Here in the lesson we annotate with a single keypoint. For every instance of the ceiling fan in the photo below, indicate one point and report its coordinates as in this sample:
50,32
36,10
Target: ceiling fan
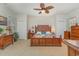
44,8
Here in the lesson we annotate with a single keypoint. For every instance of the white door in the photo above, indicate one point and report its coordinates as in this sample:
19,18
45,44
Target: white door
60,28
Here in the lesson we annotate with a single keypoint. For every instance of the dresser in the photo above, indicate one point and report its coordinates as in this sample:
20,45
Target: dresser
73,47
66,34
74,34
6,40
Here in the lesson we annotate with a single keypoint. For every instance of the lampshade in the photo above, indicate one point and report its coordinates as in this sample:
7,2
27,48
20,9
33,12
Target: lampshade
1,18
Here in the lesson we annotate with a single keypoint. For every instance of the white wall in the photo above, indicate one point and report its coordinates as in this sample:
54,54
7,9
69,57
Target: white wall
22,26
73,18
41,20
60,25
6,12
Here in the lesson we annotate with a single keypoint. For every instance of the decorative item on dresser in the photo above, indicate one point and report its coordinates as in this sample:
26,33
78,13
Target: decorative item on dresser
74,34
66,34
6,40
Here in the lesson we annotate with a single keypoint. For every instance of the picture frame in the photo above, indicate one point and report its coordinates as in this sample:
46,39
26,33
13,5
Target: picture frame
3,20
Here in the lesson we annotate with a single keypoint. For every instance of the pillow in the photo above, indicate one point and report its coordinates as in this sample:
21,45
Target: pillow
43,32
48,32
38,33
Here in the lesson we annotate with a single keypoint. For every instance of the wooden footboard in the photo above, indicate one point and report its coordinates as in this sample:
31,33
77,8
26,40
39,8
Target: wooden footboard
46,41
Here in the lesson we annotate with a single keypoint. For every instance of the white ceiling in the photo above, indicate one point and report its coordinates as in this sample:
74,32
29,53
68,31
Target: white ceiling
27,8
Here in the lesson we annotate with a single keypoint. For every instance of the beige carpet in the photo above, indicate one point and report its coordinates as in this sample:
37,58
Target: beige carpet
22,48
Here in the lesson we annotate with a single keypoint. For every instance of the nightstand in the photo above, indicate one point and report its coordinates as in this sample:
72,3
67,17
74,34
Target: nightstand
30,34
66,34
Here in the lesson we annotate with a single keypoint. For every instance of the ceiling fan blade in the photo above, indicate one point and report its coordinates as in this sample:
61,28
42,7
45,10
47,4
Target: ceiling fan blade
46,11
37,9
42,5
49,7
40,12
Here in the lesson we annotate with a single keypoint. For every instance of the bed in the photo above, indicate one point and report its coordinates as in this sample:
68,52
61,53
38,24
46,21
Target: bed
44,37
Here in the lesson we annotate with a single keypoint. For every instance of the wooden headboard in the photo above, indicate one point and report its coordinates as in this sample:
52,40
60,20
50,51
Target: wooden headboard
42,28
